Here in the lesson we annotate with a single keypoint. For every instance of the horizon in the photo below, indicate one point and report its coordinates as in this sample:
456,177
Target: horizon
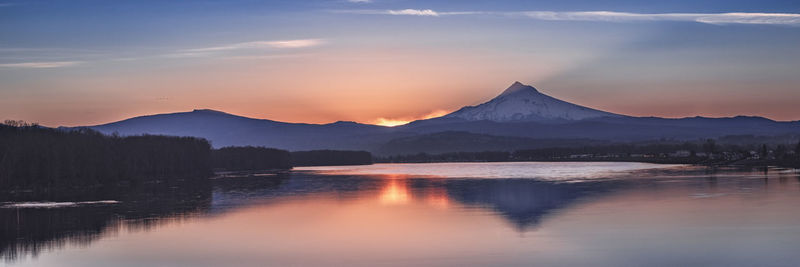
387,122
391,62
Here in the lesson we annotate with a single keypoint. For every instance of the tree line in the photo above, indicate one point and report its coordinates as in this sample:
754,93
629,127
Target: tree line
44,158
41,158
251,158
707,151
330,158
485,156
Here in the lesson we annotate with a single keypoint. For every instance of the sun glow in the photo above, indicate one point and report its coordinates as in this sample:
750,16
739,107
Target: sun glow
391,122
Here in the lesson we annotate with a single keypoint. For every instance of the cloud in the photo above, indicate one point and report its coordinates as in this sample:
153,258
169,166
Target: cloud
612,16
40,65
359,1
254,49
406,12
259,45
709,18
413,12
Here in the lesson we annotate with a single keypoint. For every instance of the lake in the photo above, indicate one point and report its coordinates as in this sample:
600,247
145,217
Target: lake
443,214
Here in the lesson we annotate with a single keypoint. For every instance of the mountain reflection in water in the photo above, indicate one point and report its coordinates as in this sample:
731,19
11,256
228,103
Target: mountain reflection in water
524,204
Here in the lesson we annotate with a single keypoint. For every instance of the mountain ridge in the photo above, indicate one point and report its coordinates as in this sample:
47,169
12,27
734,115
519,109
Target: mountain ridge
225,129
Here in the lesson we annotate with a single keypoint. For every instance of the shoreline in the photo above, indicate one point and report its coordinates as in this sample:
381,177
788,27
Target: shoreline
738,163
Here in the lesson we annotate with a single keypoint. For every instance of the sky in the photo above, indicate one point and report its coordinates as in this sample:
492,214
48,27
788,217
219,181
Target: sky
70,63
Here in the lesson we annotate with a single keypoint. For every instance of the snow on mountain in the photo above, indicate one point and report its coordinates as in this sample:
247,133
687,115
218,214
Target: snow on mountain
524,103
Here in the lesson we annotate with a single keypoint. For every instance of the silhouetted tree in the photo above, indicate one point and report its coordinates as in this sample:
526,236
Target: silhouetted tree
797,149
710,146
250,158
330,158
780,152
34,157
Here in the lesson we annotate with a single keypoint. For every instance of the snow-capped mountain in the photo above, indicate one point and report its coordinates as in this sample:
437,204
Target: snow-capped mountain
524,103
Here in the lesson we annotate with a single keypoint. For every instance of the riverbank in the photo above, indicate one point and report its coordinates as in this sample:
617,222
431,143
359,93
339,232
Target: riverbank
686,160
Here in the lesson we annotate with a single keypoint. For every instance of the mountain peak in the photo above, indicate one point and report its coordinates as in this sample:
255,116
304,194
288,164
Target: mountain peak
521,102
518,87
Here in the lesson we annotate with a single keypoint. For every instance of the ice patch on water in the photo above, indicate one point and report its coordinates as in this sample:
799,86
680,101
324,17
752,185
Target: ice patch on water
50,205
707,195
549,171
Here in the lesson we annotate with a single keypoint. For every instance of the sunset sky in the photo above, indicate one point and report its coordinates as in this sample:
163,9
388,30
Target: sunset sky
91,62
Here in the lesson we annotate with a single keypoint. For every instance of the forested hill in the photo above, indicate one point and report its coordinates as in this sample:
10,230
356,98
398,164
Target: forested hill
42,158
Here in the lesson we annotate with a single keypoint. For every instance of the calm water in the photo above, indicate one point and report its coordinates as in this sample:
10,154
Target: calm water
453,214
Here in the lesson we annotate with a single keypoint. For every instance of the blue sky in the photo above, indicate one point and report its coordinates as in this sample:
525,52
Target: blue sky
87,62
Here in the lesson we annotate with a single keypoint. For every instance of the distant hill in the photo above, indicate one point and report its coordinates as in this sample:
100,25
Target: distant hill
520,117
614,128
224,129
452,141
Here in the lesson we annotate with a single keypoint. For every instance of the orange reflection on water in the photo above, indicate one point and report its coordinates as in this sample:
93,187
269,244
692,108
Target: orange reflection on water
438,198
395,192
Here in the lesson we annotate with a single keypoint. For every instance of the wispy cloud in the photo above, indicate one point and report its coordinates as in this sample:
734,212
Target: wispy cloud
40,65
612,16
710,18
270,56
413,12
43,58
359,1
260,45
407,12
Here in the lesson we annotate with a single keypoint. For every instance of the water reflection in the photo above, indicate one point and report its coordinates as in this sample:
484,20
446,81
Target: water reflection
31,231
283,218
395,192
523,202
